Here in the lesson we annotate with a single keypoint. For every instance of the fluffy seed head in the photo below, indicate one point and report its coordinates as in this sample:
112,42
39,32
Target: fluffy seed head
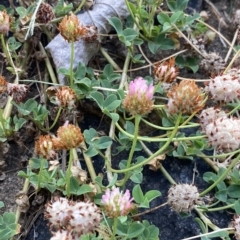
236,224
17,91
139,97
70,28
5,22
91,34
116,203
224,134
225,87
44,147
183,197
68,136
45,13
166,71
77,217
65,97
185,97
209,115
212,63
3,84
62,235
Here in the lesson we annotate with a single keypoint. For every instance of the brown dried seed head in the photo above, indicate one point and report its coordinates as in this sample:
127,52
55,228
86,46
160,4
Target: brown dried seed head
3,84
45,13
91,34
65,97
5,22
185,97
68,136
166,71
44,146
70,28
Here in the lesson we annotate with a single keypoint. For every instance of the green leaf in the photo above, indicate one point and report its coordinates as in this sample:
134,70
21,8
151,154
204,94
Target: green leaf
91,151
135,229
64,71
233,191
111,102
150,195
21,11
114,117
153,47
1,204
163,18
74,185
81,71
116,23
13,44
89,134
164,42
137,178
18,122
138,194
98,97
143,13
221,195
237,207
177,16
84,189
103,142
129,34
121,229
177,5
166,26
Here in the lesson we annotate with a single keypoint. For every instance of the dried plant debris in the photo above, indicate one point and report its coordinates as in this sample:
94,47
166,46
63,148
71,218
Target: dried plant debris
85,50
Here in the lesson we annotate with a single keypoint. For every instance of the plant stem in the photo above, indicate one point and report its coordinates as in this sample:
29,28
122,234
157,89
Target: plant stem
113,126
4,47
220,208
169,128
160,151
161,168
114,228
109,59
90,167
206,220
48,64
80,6
69,172
155,139
71,64
221,178
56,118
134,143
40,174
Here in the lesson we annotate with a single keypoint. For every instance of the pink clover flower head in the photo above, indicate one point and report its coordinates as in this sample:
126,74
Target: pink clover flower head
139,97
117,203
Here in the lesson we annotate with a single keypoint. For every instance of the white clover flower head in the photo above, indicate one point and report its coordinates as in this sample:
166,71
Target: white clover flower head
210,114
117,203
225,87
183,197
77,218
139,97
224,134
